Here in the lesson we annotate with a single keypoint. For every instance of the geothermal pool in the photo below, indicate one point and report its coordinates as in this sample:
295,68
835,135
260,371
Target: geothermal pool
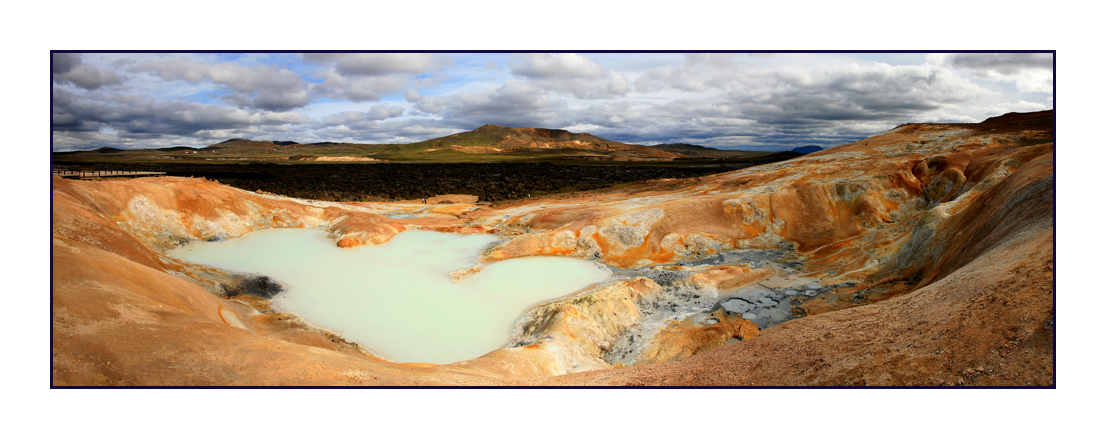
397,299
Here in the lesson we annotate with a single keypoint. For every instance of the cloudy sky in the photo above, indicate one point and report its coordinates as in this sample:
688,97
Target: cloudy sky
753,101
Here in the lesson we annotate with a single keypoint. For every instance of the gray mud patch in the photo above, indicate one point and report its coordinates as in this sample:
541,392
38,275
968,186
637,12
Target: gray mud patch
662,276
753,257
668,275
675,303
258,286
679,301
768,306
762,305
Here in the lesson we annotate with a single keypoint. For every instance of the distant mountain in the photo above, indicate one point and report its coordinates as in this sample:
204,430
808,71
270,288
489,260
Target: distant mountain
507,137
242,145
807,149
481,144
492,139
683,148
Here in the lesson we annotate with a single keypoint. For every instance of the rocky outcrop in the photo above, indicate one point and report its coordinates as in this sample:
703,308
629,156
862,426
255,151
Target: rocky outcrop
922,256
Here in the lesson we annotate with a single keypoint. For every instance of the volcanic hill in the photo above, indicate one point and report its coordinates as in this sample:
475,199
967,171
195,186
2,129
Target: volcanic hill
493,139
487,143
922,256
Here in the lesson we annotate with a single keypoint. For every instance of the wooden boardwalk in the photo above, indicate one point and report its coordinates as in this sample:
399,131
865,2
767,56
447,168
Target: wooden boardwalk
95,175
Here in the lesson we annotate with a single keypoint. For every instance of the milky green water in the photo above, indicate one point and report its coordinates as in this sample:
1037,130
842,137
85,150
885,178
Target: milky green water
397,299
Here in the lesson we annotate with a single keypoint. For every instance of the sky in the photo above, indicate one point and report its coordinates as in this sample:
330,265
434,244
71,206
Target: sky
748,101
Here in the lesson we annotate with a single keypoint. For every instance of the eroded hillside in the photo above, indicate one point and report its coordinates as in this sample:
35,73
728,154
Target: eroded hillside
922,256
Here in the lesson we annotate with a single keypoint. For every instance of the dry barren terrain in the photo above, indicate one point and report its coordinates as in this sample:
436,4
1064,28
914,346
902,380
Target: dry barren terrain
919,257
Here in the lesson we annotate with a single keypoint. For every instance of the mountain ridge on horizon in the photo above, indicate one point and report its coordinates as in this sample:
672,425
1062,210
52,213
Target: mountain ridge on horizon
511,138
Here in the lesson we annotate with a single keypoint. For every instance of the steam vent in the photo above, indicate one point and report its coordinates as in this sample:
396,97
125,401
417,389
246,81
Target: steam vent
922,256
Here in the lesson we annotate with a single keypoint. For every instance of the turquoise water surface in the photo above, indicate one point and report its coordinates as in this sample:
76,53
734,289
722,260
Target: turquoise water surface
397,299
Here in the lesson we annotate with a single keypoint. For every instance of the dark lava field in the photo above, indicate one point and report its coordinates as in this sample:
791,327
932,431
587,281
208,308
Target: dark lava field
406,181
